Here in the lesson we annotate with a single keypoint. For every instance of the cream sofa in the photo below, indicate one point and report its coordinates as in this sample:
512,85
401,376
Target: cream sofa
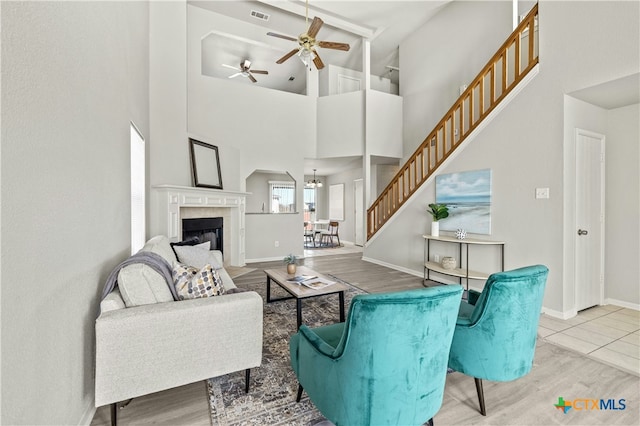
162,343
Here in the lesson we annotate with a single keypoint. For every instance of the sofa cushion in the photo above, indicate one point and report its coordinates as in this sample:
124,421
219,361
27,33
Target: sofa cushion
160,245
140,285
197,256
193,283
191,241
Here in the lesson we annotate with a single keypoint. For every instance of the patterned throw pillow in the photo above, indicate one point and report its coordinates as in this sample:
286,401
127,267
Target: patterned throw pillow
192,283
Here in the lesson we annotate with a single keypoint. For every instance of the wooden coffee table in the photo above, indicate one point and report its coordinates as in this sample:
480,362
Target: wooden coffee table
299,291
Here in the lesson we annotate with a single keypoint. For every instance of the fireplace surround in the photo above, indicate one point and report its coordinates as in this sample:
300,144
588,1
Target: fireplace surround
171,203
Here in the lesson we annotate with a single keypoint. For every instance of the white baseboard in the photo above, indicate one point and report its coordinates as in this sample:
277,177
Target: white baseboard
396,267
89,412
559,314
573,312
269,259
622,303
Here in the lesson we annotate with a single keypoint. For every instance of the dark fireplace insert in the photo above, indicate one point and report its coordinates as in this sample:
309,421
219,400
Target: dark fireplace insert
206,229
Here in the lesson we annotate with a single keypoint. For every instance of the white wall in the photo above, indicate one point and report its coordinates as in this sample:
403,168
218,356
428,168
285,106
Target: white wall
254,128
444,54
383,124
73,75
622,228
341,121
524,145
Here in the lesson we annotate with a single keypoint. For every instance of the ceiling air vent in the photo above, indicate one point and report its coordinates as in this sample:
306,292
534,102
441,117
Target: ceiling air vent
260,15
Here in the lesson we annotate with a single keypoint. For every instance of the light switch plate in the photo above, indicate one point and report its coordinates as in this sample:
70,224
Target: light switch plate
542,192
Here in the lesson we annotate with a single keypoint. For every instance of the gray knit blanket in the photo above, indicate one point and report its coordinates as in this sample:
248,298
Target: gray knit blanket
155,261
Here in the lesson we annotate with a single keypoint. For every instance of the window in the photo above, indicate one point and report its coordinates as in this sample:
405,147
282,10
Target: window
309,204
282,196
138,225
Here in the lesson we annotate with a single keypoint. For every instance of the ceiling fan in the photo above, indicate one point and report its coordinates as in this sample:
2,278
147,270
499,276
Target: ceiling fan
307,43
245,70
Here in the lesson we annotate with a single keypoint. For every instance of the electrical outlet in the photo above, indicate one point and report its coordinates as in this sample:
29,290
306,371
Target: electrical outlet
436,258
542,193
277,244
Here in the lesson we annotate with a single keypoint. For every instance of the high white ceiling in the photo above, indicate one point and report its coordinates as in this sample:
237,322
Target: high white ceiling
384,23
612,94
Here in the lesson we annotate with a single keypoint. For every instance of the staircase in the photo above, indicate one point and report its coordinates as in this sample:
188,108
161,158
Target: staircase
508,67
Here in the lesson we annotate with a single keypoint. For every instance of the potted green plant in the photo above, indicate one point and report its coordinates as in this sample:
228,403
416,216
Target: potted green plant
437,211
290,260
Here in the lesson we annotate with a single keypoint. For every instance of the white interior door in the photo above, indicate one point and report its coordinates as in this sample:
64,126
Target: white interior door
589,232
358,194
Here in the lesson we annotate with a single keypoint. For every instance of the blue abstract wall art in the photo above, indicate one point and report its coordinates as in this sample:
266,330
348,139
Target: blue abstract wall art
468,196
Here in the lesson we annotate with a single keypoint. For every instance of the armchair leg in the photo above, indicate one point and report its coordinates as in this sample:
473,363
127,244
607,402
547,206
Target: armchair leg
299,393
114,414
247,374
483,410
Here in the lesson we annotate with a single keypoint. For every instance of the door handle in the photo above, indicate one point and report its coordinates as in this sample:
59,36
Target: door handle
582,232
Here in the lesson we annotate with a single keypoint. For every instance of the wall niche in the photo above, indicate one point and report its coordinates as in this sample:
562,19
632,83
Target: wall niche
271,192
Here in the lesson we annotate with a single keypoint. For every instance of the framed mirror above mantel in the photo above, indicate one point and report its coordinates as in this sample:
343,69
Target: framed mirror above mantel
271,192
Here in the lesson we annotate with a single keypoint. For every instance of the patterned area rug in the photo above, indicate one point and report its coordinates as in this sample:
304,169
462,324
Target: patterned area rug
272,394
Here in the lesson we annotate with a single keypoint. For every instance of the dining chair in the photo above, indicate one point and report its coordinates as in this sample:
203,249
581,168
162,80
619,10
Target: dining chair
309,235
327,236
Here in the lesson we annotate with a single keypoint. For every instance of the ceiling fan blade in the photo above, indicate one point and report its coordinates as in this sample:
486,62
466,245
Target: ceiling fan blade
317,61
235,75
251,77
259,72
334,45
315,26
287,56
229,66
282,36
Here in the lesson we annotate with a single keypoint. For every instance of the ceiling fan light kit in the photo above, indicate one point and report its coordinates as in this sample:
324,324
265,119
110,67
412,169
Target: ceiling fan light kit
245,70
307,44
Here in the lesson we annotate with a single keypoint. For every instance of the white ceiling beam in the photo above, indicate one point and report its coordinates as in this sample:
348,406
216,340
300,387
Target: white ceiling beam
299,8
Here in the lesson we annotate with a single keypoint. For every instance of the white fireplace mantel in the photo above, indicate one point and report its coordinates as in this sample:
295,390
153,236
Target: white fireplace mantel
168,200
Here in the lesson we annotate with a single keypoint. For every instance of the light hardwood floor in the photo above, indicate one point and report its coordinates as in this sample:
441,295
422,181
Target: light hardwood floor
557,372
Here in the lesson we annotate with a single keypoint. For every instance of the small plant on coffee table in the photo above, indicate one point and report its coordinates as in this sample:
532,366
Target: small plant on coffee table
290,261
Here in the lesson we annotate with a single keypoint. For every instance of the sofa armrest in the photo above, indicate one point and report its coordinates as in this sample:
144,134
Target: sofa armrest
149,348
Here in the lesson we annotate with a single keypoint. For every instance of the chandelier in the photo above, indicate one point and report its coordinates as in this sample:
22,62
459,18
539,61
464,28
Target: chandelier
314,183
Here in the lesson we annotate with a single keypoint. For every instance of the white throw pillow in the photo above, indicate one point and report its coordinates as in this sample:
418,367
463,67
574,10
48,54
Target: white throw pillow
197,256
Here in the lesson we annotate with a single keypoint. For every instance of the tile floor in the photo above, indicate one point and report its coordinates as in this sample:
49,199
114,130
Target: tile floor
608,333
346,247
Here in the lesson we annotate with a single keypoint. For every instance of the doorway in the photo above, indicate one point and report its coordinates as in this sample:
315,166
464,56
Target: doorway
589,218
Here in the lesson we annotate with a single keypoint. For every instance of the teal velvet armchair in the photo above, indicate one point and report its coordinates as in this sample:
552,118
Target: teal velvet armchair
496,330
386,364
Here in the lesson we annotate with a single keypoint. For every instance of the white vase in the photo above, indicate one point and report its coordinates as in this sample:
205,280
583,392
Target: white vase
435,229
